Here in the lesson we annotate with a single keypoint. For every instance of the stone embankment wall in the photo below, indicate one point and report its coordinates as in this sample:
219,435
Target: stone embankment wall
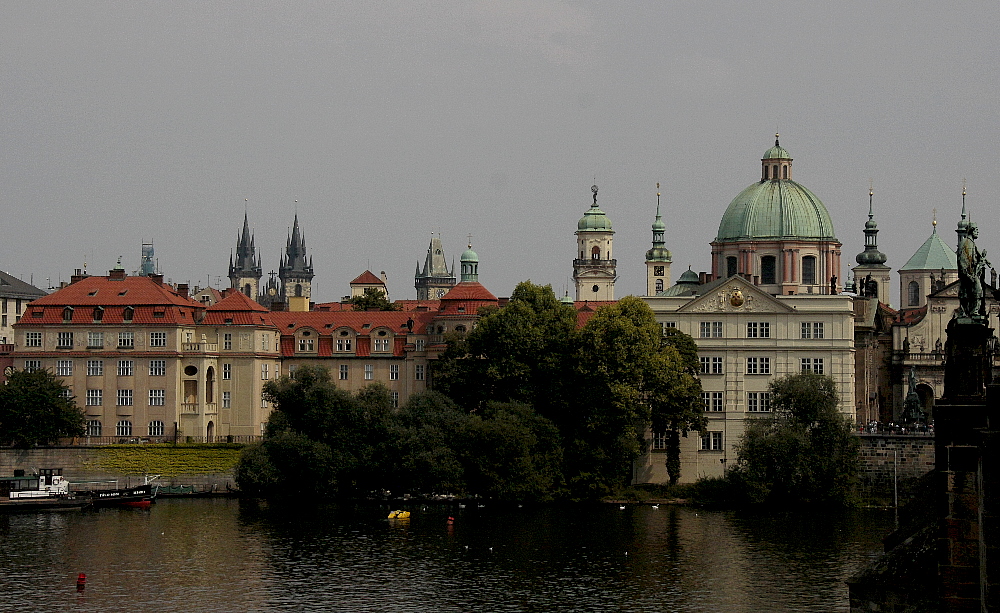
206,466
914,458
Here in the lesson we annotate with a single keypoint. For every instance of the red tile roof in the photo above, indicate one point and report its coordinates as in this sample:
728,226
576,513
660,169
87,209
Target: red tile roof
908,317
360,321
237,301
152,303
469,290
367,278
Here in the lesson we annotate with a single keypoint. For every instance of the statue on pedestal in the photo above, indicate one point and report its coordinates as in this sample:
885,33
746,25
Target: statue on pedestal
972,264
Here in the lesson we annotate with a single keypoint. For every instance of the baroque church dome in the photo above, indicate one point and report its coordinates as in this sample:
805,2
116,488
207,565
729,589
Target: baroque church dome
776,208
594,220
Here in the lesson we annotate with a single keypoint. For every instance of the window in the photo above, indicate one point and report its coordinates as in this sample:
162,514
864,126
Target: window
124,398
343,372
659,441
395,399
711,365
68,315
123,428
369,372
809,270
124,368
263,403
155,428
767,269
127,314
227,372
157,397
157,339
64,340
126,340
812,329
95,398
659,286
32,339
226,399
669,324
420,344
305,344
381,344
759,402
712,400
711,329
814,365
343,344
913,294
264,342
95,340
291,370
712,441
98,314
227,341
393,372
95,368
66,393
730,266
264,374
94,427
758,329
758,366
157,368
64,368
418,372
32,365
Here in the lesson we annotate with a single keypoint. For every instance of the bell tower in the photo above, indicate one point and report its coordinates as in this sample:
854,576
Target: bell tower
594,268
245,272
871,275
658,256
296,271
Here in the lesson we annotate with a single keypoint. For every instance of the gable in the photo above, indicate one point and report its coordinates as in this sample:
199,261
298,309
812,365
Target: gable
735,295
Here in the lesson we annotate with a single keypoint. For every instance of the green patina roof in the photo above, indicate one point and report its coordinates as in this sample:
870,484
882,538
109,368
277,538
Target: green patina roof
470,256
934,254
688,284
594,220
775,209
776,152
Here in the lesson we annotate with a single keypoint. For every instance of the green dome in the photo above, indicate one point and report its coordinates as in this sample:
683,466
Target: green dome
594,221
776,152
470,256
772,210
688,276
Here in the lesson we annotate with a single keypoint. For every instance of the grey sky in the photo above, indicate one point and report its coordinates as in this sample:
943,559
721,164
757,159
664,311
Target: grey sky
124,122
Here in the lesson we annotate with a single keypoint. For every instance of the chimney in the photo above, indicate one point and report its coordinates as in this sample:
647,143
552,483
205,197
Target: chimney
702,278
117,274
182,289
157,278
383,278
78,275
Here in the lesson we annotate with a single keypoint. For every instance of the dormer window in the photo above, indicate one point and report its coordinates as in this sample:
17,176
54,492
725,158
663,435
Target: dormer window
98,314
127,314
67,315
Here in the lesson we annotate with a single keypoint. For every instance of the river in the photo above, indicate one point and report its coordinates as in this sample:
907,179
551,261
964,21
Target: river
231,556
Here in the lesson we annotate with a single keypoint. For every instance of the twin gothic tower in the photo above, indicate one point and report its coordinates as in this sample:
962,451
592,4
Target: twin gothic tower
294,277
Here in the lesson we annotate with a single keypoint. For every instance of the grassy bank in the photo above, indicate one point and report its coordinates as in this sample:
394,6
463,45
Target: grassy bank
167,460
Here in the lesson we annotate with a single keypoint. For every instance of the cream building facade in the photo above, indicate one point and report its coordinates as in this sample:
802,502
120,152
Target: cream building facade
594,268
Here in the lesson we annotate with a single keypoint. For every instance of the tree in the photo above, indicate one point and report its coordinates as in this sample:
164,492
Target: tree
674,393
804,452
36,409
373,300
523,352
422,450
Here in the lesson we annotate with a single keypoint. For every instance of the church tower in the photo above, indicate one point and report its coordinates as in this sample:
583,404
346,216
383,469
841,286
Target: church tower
244,273
594,269
871,275
296,271
658,257
435,279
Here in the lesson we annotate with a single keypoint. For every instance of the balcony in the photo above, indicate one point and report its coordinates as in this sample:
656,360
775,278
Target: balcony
189,408
200,347
211,408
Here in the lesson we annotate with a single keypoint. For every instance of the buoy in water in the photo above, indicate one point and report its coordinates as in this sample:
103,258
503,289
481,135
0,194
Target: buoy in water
81,582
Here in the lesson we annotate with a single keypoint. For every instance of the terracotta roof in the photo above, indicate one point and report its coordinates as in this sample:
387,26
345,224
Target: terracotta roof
585,309
367,278
361,322
104,291
413,305
469,290
908,317
236,301
333,306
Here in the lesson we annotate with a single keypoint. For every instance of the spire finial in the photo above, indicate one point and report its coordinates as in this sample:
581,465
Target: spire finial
657,199
871,194
963,198
470,241
593,188
934,222
776,135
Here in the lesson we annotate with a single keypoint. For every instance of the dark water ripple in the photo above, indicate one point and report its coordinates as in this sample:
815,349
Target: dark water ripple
221,555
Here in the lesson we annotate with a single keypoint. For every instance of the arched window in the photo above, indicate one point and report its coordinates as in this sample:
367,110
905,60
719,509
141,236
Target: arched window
913,294
809,270
123,428
298,289
659,285
155,428
67,314
98,314
127,314
766,174
774,171
767,269
784,171
595,253
246,291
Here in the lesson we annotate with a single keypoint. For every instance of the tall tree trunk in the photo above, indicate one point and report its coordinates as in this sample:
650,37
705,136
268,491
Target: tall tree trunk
673,455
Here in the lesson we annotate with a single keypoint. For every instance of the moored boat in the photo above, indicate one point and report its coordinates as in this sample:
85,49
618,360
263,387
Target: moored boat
46,491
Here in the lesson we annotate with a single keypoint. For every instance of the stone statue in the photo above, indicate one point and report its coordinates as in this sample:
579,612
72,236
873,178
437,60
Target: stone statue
972,264
912,412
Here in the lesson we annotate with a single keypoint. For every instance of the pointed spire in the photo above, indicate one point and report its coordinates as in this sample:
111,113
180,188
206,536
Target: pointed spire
871,256
963,223
658,252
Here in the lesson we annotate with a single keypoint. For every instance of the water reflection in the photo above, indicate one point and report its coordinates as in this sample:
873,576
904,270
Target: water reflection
221,555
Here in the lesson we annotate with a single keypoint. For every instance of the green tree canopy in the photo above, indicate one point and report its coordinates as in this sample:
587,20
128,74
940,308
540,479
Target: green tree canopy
804,452
35,409
373,299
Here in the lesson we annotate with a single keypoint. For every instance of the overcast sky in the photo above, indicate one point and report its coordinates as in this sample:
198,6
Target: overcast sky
387,121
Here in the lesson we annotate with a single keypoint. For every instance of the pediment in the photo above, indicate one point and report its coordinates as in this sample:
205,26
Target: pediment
735,295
